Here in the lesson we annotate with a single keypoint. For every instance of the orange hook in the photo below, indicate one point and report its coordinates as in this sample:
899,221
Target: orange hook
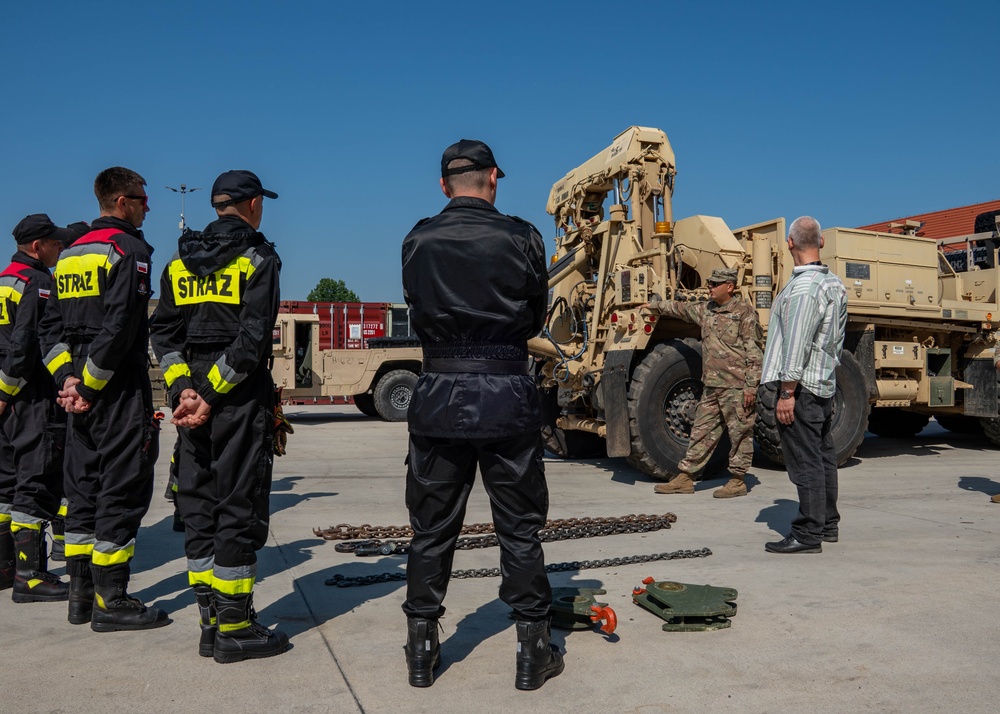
606,614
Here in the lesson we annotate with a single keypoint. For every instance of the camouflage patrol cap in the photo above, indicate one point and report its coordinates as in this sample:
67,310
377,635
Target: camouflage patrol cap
723,275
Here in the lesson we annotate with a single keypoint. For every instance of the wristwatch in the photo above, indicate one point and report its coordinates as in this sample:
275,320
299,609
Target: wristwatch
785,394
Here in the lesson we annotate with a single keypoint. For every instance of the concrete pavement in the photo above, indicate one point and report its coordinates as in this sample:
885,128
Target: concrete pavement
896,617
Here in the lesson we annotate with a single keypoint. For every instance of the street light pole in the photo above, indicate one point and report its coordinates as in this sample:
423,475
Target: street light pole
183,191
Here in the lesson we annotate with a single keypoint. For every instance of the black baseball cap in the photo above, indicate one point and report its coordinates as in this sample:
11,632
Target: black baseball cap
475,151
239,186
39,226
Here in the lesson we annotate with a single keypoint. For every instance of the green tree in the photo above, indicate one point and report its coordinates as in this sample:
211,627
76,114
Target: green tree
330,290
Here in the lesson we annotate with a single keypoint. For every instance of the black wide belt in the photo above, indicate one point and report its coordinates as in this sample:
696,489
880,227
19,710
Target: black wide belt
476,366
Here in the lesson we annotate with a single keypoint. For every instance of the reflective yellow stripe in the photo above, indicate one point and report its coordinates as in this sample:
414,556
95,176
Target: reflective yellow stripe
33,582
91,381
5,518
234,626
11,389
242,586
116,558
73,549
218,383
15,526
100,601
62,511
58,361
201,578
172,373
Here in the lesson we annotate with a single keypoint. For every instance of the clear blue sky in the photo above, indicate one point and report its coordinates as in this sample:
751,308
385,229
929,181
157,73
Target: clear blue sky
853,112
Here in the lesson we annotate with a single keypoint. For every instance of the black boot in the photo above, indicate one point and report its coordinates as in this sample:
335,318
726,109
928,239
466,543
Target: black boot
58,540
423,651
6,557
32,580
240,636
537,660
114,610
207,619
81,590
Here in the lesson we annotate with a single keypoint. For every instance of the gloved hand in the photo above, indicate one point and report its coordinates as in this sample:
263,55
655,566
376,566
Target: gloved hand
281,426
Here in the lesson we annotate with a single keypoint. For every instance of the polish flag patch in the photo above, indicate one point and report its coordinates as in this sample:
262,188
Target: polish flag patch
142,267
43,294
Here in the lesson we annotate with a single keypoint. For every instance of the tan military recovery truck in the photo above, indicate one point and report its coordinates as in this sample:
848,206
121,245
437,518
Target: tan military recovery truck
619,377
381,378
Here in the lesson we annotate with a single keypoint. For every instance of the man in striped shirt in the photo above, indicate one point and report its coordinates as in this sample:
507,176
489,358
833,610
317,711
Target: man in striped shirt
805,336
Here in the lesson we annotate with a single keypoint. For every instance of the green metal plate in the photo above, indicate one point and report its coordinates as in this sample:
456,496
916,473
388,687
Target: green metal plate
688,608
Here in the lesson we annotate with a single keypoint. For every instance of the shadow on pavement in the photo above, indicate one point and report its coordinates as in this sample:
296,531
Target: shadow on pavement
778,517
325,417
980,484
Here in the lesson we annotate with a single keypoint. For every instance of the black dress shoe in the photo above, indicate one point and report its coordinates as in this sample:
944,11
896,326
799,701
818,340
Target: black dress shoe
790,545
831,538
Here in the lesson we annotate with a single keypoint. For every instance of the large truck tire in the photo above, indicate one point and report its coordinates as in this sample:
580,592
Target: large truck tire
662,397
959,423
572,444
850,414
893,423
392,394
366,404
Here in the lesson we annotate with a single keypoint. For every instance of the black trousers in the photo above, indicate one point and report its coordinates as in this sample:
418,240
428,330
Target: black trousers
32,436
224,474
439,479
811,460
110,454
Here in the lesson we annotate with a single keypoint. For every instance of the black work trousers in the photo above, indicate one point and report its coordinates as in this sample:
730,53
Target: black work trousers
110,454
224,473
811,460
439,479
33,435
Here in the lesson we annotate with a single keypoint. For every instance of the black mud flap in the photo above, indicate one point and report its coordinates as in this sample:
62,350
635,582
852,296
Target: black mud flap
614,386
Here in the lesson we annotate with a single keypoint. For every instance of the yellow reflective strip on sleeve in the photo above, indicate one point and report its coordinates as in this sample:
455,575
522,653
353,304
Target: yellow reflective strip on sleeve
74,549
218,383
242,586
63,510
15,526
232,627
5,518
116,558
173,372
11,389
201,578
91,381
58,361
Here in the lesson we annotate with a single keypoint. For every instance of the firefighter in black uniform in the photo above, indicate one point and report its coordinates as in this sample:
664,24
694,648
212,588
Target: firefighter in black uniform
211,332
95,337
32,426
477,287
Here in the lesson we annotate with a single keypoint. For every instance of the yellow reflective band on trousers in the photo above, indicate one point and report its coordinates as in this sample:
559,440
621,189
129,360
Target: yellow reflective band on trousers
233,626
173,372
241,586
63,509
74,549
116,557
203,577
58,361
219,384
15,526
5,518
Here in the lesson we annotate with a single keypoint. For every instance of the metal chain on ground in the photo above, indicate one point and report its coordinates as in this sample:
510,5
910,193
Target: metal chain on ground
343,581
345,531
583,528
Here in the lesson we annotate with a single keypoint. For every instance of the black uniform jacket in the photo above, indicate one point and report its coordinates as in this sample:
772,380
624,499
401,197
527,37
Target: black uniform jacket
103,289
477,287
219,296
25,289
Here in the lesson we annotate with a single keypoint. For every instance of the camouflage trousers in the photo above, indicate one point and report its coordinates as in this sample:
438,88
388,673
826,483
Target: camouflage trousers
720,409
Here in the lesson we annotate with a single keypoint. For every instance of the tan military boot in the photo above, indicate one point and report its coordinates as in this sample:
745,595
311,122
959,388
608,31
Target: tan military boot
734,487
681,483
995,499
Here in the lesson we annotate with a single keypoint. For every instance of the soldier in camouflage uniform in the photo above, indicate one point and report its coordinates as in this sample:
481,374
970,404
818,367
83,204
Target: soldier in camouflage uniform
731,342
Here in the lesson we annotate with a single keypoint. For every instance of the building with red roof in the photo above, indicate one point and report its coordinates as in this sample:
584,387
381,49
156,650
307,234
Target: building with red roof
938,224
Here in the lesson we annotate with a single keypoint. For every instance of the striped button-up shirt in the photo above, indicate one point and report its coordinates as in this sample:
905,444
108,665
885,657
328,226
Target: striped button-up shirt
806,331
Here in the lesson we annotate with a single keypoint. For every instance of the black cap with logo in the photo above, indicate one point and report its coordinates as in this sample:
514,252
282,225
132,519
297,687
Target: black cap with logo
475,151
239,186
